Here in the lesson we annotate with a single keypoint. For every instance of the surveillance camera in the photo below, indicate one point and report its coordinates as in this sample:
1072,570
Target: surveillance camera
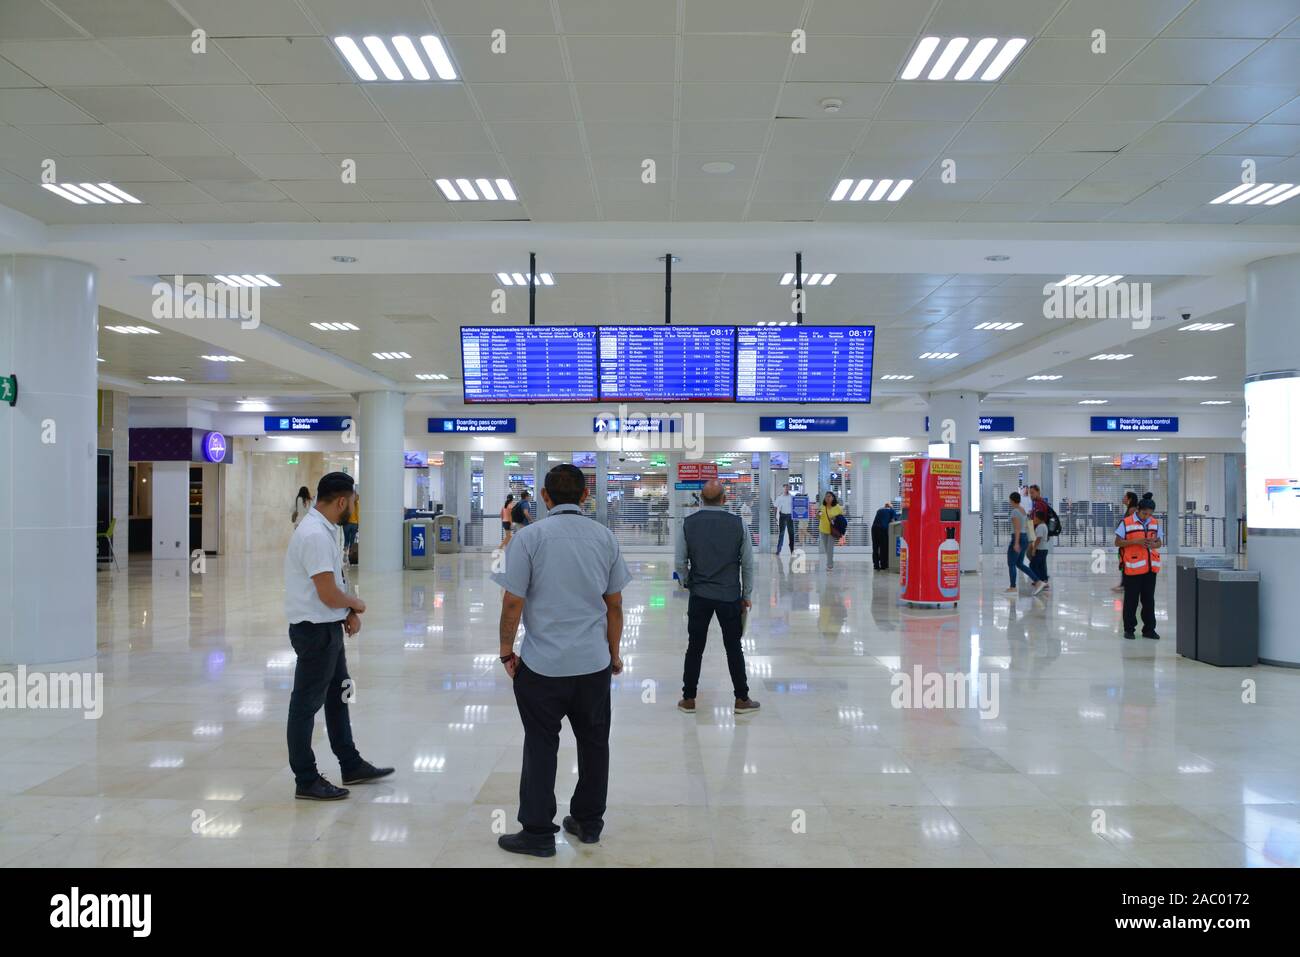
1186,316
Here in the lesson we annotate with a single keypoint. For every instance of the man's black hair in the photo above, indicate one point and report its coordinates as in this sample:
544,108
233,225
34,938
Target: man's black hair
1015,497
333,485
565,484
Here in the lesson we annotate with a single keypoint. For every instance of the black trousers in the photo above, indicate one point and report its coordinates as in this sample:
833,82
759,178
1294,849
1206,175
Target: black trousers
543,701
785,523
318,680
1140,587
699,615
879,548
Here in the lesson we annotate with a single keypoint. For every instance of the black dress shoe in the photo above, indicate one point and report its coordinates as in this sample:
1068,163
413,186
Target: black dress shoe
1153,636
538,845
574,827
1130,636
364,773
320,790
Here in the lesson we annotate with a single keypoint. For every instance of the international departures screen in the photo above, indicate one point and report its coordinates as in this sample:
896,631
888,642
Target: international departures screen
667,363
529,363
804,363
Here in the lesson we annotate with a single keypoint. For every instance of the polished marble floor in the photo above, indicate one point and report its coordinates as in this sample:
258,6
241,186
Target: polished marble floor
1101,752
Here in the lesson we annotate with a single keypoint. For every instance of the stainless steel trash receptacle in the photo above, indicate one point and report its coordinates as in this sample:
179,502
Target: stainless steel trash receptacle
1185,571
1227,617
417,539
895,532
446,537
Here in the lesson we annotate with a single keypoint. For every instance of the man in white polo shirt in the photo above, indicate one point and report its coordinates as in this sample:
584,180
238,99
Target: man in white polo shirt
320,611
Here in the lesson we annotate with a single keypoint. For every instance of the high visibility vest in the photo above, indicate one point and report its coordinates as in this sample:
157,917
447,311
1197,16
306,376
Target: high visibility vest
1138,559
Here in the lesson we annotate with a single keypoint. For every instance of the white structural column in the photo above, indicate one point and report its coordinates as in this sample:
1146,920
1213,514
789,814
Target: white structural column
1273,352
48,339
170,508
763,505
961,412
381,435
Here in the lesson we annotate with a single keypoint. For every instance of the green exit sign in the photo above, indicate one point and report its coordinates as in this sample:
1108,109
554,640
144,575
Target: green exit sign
293,460
9,389
659,460
512,460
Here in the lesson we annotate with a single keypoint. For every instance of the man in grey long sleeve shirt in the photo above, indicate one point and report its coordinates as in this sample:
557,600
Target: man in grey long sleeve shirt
715,562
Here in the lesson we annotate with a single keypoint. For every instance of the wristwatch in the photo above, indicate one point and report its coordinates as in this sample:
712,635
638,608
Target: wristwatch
505,658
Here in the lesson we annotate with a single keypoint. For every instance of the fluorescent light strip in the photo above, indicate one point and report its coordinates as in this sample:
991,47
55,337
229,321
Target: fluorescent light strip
938,355
379,53
438,57
463,188
1005,56
466,188
948,57
1257,198
1259,190
787,279
1217,402
356,59
94,190
881,188
133,330
448,190
1289,194
335,326
860,190
976,59
485,187
506,190
841,190
60,191
519,279
431,376
267,280
504,279
1111,356
900,188
924,50
78,191
1206,326
391,355
1197,378
222,358
897,378
1093,401
1044,378
1235,191
410,57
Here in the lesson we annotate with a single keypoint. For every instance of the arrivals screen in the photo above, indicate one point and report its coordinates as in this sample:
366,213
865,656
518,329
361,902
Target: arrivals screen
667,363
529,363
804,363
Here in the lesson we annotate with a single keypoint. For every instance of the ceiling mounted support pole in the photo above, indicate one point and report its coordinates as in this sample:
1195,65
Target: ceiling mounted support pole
668,289
532,289
798,285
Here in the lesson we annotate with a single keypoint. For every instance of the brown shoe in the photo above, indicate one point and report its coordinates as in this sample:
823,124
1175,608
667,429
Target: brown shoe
686,705
748,706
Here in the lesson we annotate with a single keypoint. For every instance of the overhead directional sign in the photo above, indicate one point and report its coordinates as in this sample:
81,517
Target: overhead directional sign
306,423
803,423
1134,423
472,425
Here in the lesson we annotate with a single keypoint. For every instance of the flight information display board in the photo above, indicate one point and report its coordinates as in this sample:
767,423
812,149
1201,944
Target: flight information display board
804,363
667,363
529,363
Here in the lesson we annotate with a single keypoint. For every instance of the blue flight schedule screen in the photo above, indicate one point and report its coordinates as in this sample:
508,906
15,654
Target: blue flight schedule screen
804,363
529,363
667,363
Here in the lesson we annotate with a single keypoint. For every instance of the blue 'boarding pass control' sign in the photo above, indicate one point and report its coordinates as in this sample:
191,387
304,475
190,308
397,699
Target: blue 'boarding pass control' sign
306,423
1121,423
454,426
803,423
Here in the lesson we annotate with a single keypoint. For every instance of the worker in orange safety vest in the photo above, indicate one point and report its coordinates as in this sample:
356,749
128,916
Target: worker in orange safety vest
1139,538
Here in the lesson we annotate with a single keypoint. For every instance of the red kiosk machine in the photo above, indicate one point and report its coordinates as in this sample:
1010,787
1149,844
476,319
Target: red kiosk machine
929,559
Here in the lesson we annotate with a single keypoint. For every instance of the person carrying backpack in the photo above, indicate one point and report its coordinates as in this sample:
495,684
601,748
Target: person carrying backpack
832,525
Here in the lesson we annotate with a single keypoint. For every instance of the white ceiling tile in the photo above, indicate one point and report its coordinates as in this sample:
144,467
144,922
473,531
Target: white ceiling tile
630,59
742,16
709,212
1216,169
1058,166
963,190
786,212
913,211
1075,213
621,102
400,191
1216,215
1119,18
31,20
126,18
1187,61
1287,214
991,18
526,60
277,60
893,166
1060,60
933,101
453,165
344,212
243,18
989,166
875,18
522,17
165,61
206,213
1227,18
654,140
321,191
1030,192
372,166
1193,138
1277,61
171,139
421,102
429,138
271,212
225,168
1001,137
857,100
1032,101
546,137
352,137
322,103
690,167
714,190
737,59
1288,114
850,59
1094,137
39,107
741,136
123,104
854,213
525,101
822,168
806,136
600,17
565,210
1139,166
1105,192
132,169
729,101
1265,139
251,138
12,77
302,166
221,104
416,212
383,17
230,192
1233,104
1150,102
159,193
80,140
630,189
68,62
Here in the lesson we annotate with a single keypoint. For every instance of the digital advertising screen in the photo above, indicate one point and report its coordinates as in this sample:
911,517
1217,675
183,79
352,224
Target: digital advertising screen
529,363
1273,453
804,363
1139,460
667,363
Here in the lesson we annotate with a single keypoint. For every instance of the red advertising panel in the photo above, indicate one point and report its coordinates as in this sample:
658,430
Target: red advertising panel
696,471
929,561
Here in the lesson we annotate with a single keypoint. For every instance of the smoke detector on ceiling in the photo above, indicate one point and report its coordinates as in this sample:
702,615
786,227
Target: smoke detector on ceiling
832,104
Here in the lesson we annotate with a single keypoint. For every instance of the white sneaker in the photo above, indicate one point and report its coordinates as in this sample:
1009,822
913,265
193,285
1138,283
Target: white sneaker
1039,586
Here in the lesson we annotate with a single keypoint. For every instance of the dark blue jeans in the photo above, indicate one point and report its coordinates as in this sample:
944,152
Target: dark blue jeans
699,615
1038,564
318,680
1016,559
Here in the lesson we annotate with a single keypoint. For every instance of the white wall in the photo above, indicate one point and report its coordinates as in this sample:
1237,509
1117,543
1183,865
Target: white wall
170,496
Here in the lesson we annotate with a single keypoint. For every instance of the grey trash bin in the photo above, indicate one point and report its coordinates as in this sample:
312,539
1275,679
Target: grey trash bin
417,543
1185,571
895,532
1227,617
446,539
